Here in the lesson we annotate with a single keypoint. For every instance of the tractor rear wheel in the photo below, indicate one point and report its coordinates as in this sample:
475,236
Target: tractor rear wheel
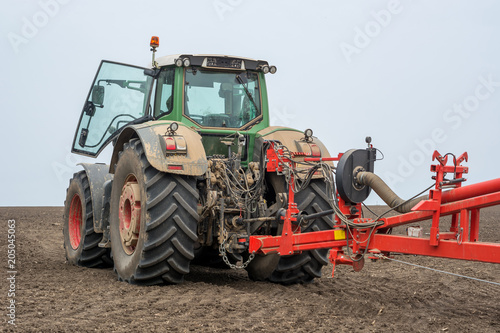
153,220
80,240
306,266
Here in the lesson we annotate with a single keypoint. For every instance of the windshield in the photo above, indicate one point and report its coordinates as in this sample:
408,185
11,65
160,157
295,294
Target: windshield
221,99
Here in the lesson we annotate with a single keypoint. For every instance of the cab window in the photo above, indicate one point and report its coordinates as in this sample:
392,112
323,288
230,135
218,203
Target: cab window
221,99
165,93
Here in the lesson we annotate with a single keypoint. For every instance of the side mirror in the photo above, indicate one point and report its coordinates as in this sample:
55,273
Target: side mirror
98,95
155,72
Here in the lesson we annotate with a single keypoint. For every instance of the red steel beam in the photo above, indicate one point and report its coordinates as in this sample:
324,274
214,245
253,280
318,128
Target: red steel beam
446,209
336,238
300,242
461,249
474,251
471,191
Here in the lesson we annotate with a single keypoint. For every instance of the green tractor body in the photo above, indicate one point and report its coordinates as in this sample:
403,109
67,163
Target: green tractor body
187,182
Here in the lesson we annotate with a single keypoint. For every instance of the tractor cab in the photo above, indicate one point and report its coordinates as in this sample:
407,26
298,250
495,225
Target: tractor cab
223,98
210,97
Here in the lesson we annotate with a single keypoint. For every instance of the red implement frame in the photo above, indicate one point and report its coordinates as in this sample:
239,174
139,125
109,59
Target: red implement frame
463,204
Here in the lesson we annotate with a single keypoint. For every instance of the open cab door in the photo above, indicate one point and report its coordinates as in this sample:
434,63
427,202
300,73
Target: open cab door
119,96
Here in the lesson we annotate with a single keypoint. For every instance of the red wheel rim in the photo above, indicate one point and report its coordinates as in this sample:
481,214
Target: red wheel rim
75,222
130,214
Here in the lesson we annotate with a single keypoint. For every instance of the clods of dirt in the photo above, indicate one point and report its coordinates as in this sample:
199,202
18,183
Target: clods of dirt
386,296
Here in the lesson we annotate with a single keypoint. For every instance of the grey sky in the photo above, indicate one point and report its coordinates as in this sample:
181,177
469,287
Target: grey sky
413,75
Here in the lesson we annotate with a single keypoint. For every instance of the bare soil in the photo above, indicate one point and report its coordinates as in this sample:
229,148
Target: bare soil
386,296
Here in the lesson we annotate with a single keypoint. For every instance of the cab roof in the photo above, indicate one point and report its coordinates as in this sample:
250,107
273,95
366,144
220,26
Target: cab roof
214,61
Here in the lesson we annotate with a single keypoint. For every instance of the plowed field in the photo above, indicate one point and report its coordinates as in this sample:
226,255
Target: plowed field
386,296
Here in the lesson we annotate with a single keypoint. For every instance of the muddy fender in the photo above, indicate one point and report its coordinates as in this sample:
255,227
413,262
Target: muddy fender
291,138
97,174
191,162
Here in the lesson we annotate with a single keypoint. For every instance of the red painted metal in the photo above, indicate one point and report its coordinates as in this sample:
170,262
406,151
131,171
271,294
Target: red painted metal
474,251
474,225
277,163
463,204
445,209
286,243
323,159
274,162
470,191
350,210
75,222
129,214
300,242
338,257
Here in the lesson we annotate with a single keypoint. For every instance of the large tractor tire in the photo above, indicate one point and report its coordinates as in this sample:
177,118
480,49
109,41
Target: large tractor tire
306,266
153,220
80,240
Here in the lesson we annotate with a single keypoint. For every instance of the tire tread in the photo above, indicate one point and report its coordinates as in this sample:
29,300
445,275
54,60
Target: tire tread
304,267
91,254
170,225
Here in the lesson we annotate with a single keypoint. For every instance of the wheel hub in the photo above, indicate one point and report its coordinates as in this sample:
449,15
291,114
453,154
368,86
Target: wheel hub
130,215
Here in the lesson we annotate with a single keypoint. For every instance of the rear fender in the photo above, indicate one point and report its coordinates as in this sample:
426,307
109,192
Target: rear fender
192,163
291,138
98,175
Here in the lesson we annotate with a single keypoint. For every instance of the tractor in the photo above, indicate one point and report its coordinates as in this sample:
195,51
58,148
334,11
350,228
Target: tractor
187,180
198,176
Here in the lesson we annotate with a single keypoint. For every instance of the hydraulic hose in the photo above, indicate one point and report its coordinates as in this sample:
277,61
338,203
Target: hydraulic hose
385,193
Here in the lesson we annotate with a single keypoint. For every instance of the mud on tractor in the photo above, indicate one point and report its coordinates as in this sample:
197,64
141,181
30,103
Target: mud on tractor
198,176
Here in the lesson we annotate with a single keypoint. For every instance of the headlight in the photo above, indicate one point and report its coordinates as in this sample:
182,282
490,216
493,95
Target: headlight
308,133
173,127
